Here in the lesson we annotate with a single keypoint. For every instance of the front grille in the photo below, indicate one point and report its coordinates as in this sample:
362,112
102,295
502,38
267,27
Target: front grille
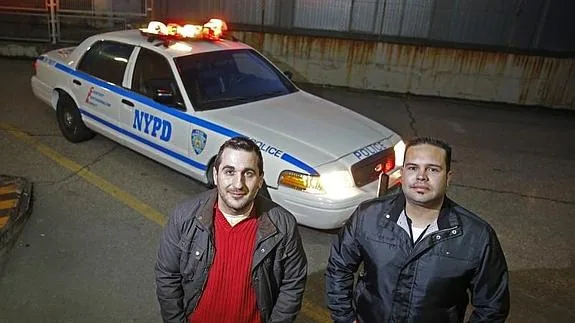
367,170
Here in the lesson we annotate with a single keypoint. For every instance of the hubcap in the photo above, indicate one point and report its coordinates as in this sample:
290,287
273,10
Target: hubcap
68,119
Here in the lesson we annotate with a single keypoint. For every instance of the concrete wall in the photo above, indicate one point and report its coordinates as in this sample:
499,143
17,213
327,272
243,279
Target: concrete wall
23,49
421,70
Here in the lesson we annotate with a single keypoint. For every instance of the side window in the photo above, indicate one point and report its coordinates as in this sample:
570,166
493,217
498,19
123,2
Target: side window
107,61
153,77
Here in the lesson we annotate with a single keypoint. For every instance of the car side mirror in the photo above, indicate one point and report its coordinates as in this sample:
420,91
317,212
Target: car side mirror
288,74
164,96
164,91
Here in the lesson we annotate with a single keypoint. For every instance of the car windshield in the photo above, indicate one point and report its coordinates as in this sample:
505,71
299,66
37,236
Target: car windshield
220,79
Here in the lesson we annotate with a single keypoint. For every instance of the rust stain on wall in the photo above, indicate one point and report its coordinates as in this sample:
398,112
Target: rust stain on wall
359,56
525,79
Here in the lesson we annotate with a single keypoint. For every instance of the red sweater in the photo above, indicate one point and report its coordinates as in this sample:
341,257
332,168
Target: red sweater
229,295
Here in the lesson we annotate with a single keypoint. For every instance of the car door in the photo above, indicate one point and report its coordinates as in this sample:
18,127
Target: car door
98,84
154,115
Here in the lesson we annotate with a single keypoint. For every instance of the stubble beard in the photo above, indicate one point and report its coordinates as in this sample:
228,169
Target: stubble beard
429,202
238,206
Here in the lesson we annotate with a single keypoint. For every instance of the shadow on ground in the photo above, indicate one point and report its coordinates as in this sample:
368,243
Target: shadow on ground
537,295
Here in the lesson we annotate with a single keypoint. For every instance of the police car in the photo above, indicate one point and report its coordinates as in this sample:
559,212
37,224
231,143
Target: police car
175,93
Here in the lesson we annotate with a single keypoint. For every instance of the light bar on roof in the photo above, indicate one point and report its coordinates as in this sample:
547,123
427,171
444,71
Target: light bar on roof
213,29
218,26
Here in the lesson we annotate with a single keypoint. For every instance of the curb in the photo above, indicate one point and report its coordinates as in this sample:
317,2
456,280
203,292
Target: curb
15,209
23,50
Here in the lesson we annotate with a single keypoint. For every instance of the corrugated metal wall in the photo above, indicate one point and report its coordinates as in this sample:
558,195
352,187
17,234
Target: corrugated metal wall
334,16
512,24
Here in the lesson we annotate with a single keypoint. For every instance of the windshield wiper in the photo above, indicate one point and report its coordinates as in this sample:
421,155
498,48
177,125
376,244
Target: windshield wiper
266,95
210,104
217,103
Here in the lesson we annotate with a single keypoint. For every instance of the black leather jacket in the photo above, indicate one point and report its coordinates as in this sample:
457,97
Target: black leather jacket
427,282
186,252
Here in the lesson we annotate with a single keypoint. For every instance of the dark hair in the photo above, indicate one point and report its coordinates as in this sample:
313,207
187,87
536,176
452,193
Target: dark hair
240,143
434,142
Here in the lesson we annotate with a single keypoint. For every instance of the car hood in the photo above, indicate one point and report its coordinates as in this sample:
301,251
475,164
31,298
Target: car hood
307,127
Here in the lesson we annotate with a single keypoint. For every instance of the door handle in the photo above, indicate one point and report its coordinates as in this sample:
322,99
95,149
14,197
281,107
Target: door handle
76,82
128,103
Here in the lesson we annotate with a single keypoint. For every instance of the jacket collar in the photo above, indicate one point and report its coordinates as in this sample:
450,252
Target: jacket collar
266,228
446,219
206,214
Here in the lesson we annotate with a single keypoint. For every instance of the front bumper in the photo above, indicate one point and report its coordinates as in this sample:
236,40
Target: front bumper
319,212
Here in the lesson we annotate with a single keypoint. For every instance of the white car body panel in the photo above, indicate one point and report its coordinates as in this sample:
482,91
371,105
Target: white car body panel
298,132
304,114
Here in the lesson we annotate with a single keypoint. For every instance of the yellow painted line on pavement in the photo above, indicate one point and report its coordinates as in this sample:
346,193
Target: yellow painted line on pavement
8,204
7,189
316,313
3,221
87,175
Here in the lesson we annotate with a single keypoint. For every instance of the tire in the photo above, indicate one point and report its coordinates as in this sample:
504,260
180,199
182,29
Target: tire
70,120
210,175
264,191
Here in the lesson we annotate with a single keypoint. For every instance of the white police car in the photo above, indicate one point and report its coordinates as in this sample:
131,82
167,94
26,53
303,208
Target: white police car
176,93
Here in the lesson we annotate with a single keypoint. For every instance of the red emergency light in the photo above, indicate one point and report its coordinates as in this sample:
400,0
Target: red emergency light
212,30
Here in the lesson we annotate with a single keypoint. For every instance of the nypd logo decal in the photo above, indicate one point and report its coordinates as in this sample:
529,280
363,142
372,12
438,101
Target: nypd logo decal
199,139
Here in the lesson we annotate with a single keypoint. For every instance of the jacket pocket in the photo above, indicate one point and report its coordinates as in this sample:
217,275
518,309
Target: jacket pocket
382,239
440,315
189,262
458,252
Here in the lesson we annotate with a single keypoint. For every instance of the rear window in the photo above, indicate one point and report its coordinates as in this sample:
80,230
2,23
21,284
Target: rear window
107,61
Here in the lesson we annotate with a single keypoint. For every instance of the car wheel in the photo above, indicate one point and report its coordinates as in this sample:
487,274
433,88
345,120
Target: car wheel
70,120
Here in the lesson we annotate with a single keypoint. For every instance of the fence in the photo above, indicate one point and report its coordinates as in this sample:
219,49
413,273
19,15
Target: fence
520,25
66,21
504,25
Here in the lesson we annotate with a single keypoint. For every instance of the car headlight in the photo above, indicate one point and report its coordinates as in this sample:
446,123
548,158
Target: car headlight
335,180
399,149
300,182
333,184
338,184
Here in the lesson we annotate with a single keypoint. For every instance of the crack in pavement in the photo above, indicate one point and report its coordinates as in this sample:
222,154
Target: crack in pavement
46,182
547,302
515,193
46,135
410,115
32,138
85,167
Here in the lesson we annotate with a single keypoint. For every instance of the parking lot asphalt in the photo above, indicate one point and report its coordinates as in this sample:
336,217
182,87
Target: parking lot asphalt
87,251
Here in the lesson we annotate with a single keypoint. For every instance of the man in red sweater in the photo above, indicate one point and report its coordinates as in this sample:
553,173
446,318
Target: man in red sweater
229,254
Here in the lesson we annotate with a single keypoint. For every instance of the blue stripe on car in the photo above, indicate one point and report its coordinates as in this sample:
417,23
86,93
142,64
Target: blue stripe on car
145,141
149,102
296,162
173,112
